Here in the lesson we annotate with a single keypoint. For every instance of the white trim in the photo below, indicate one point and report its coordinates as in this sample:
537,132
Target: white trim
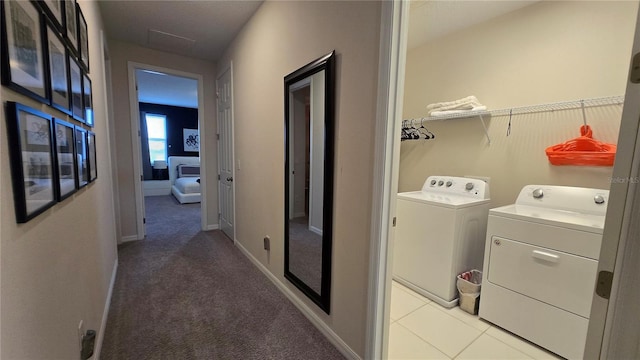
105,312
135,140
393,44
125,239
315,230
304,309
212,227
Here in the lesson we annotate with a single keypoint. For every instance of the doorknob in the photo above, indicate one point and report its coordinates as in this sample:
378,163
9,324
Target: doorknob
229,179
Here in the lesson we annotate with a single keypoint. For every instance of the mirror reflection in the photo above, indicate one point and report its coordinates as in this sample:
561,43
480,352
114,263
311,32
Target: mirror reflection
309,178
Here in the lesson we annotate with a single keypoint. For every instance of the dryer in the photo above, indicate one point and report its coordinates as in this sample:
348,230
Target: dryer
440,233
540,265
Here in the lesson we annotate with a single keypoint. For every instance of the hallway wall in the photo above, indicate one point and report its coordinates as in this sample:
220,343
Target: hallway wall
280,38
121,54
56,269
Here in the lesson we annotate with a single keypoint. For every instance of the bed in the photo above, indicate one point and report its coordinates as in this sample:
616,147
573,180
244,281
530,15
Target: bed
184,175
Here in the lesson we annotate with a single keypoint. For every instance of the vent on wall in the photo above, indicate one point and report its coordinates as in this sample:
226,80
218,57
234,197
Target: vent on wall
170,42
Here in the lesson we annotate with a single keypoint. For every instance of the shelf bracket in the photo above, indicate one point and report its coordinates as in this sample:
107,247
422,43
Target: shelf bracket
486,132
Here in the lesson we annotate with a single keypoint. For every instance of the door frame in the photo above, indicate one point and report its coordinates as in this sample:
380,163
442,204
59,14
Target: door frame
136,145
609,335
228,67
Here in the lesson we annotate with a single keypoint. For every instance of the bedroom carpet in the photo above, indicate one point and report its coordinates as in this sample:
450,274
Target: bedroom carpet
186,294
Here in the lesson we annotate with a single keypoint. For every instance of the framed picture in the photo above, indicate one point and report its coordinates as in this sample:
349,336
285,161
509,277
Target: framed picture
82,152
58,81
23,65
83,40
191,140
66,166
54,10
87,100
71,21
31,156
93,158
75,75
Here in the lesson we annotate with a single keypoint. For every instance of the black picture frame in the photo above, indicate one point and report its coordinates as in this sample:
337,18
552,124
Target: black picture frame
23,59
31,154
82,161
92,156
71,25
87,100
65,159
75,82
58,86
54,11
83,40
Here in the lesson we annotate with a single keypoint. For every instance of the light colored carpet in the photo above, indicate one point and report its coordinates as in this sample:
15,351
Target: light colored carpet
186,294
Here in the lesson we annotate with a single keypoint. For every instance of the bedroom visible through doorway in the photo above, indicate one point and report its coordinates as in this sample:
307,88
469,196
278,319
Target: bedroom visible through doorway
169,141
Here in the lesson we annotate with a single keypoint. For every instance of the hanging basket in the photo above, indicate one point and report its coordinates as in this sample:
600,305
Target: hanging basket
583,151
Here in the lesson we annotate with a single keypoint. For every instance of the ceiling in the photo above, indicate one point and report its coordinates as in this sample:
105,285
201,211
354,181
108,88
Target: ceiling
197,29
204,28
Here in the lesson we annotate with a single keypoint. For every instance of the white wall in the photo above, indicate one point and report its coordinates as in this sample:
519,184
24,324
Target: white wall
121,54
316,186
548,52
280,38
56,269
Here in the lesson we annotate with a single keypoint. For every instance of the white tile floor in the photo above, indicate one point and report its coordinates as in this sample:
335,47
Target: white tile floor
422,329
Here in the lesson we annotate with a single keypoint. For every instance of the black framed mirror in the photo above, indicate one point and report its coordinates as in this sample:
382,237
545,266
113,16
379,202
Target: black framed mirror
309,98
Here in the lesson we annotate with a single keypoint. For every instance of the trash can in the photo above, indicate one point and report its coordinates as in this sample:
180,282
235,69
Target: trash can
468,284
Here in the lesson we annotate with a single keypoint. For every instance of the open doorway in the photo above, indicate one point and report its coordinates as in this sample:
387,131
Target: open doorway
167,116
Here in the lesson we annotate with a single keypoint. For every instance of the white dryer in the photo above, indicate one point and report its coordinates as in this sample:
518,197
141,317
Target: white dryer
540,264
440,233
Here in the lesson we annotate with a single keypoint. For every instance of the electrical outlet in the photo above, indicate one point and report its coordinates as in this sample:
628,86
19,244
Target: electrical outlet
267,243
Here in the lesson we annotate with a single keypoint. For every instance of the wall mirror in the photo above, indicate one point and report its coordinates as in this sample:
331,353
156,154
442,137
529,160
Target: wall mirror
309,136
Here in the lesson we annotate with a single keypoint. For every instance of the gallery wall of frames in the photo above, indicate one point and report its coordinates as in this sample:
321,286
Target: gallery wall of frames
45,56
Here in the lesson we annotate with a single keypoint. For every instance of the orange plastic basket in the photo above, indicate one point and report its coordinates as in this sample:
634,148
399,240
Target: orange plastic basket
583,150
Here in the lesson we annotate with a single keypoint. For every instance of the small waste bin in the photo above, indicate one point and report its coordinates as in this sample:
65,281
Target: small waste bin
468,284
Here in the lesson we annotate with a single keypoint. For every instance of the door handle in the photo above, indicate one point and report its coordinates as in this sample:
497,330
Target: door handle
229,179
545,256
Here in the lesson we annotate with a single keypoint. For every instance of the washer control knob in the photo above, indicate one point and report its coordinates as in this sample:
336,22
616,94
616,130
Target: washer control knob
449,183
599,199
469,186
538,194
433,182
440,183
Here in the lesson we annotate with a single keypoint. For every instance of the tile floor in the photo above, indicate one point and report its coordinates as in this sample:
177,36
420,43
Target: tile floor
422,329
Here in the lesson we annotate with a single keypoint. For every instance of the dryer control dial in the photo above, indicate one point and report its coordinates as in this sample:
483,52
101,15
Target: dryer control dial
599,199
469,186
433,182
538,193
440,183
449,183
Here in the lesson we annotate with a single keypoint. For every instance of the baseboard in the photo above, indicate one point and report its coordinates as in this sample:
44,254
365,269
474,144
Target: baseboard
304,309
212,227
125,239
315,230
105,312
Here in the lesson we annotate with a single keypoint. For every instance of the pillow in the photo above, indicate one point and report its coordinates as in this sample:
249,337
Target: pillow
188,170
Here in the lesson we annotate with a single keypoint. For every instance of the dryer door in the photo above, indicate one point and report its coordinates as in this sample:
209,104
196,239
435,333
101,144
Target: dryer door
554,277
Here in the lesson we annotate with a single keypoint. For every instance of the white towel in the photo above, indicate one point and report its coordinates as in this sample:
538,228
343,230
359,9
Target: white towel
467,103
449,112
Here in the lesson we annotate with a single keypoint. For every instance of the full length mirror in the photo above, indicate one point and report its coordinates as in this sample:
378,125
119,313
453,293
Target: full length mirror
309,122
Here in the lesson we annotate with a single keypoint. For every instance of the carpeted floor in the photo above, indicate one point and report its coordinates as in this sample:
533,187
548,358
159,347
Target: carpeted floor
186,294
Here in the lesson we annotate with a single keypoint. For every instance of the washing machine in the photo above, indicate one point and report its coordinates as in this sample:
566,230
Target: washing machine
440,233
540,265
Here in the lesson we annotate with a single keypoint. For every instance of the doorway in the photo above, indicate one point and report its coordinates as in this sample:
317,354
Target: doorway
167,116
382,271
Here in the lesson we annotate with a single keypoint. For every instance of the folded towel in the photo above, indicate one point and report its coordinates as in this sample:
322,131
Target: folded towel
449,112
467,103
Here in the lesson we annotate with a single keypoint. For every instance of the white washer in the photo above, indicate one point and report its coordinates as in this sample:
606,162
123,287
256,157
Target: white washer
540,264
440,233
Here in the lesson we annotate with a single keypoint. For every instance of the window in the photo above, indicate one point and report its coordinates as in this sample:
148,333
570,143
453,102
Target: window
157,135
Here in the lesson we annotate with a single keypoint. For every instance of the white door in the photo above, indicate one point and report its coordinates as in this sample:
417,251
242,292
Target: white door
224,92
